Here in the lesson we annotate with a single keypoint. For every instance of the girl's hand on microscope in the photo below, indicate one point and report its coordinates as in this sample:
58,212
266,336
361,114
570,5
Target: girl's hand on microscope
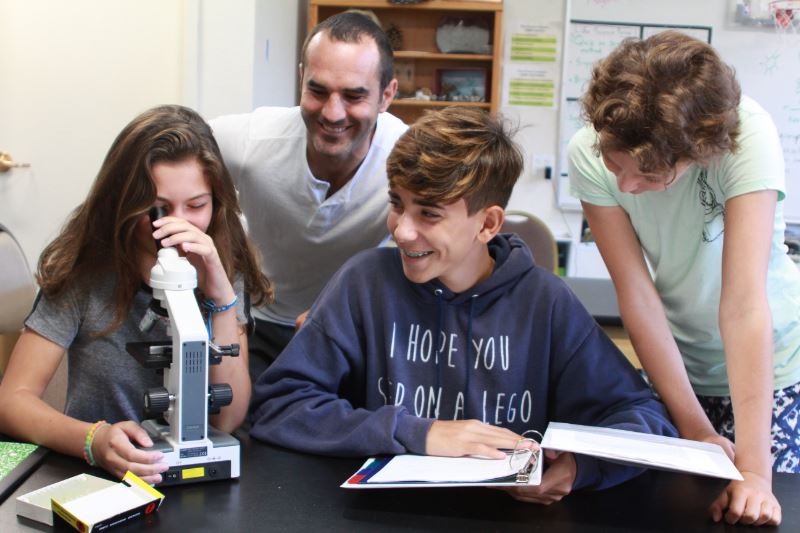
113,449
199,249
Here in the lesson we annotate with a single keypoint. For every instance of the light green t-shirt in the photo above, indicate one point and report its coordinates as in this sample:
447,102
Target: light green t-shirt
681,232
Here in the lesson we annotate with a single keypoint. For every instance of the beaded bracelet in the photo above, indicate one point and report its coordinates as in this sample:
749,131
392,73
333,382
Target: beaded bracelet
87,443
212,308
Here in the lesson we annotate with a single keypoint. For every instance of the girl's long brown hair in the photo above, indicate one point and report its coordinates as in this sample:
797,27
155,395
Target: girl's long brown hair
98,236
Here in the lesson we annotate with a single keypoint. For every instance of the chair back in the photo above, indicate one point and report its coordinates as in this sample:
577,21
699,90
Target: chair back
536,235
17,286
17,292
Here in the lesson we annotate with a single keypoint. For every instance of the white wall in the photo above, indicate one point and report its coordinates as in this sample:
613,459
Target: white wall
279,33
73,74
538,133
247,54
225,51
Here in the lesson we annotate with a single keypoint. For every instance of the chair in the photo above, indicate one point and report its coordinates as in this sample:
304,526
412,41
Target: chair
17,292
17,288
536,235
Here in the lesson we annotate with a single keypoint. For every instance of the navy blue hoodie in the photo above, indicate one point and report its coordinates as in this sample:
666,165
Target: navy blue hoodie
367,374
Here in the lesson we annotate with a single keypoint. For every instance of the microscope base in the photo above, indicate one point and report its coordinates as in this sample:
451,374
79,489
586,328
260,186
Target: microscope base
210,459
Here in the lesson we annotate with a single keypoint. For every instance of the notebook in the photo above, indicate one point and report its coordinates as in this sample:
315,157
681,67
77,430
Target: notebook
406,471
17,461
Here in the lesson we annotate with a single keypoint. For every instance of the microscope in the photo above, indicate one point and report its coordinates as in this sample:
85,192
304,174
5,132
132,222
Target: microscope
193,449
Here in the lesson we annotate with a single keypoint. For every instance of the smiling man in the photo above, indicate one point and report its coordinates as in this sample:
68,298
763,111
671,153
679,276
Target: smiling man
312,179
454,343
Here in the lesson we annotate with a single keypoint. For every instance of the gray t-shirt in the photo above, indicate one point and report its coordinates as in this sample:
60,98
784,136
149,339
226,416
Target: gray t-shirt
105,382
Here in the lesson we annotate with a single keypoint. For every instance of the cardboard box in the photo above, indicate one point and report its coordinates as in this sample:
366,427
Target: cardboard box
89,503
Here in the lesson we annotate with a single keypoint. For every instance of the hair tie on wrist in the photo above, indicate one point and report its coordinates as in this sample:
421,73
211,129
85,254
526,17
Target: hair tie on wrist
212,308
87,443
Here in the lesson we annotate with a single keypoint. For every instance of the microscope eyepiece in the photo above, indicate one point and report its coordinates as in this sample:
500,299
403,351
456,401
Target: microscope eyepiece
155,213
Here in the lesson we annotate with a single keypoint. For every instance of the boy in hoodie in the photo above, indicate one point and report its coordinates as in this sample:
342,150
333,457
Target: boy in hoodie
454,343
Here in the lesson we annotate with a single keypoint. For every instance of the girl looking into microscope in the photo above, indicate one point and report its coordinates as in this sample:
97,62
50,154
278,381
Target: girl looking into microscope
94,294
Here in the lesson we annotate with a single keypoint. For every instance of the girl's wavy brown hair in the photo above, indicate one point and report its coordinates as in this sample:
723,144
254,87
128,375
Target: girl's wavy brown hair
664,99
98,237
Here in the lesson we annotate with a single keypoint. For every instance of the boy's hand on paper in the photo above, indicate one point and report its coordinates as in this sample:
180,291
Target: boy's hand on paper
459,438
114,451
748,502
556,483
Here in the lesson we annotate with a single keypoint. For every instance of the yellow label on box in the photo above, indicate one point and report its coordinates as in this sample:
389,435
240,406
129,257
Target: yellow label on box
130,477
68,517
191,473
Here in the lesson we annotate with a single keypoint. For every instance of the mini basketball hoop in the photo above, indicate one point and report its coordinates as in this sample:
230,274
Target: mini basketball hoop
786,15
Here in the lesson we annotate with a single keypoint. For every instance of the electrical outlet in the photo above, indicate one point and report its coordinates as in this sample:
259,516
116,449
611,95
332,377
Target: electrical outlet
540,163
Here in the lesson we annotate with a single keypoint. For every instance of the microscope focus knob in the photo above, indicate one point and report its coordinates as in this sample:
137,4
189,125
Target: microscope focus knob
219,395
156,400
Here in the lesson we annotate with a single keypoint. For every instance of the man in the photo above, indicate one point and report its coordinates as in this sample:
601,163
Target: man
312,179
454,343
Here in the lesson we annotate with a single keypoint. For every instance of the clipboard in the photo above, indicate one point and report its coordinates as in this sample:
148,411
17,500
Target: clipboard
417,471
615,445
521,466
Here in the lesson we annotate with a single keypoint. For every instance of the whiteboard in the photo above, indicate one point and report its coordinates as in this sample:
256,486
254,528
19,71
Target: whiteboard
570,122
767,66
587,43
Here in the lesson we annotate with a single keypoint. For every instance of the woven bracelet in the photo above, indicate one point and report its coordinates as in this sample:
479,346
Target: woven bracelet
212,308
87,443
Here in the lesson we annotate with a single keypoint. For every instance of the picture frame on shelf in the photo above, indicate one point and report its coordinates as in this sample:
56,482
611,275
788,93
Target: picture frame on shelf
404,72
462,84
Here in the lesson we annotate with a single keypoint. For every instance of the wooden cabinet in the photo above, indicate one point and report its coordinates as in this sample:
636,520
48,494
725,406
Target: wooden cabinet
419,64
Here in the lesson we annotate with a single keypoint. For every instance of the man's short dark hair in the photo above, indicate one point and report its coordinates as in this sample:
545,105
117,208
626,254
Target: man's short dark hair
352,27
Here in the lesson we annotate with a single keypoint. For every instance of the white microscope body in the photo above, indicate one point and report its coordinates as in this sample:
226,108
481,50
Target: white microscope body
193,450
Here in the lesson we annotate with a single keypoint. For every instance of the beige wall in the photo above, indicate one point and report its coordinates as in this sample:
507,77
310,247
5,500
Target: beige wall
73,74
